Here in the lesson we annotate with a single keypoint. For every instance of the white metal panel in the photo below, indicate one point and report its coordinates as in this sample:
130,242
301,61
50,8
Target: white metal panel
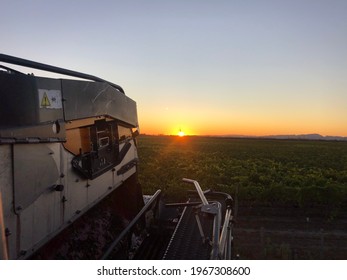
6,187
36,170
52,210
39,220
6,182
44,215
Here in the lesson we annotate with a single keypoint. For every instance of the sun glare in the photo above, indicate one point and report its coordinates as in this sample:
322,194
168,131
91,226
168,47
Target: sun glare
181,133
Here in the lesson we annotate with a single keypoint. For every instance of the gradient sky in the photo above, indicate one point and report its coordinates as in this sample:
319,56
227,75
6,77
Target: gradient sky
205,67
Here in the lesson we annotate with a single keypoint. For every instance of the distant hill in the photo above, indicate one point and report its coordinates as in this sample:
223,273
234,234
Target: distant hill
313,136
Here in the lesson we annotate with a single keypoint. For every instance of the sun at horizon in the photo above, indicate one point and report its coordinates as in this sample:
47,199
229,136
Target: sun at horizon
181,133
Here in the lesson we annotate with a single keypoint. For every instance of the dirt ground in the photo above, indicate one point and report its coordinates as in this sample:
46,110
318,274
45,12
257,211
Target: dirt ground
289,233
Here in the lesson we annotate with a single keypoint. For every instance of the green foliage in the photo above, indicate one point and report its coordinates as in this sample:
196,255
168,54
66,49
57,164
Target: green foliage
267,172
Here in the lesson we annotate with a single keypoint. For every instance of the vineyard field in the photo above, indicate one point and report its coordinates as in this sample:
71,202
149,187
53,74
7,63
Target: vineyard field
290,196
290,173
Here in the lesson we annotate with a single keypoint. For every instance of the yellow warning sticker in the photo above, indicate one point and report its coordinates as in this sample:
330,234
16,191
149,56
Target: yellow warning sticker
50,99
45,101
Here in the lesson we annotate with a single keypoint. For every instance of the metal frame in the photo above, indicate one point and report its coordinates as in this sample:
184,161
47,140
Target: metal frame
45,67
134,221
222,235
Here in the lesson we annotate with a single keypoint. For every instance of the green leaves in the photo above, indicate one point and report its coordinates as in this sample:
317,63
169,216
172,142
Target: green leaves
266,172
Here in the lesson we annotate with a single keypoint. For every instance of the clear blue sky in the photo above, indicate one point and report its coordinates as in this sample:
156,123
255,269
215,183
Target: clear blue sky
206,67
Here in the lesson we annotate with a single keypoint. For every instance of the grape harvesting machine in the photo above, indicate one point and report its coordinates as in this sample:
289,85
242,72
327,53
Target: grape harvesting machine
68,177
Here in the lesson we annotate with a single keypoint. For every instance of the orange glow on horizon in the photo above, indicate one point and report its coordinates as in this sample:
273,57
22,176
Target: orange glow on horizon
239,125
239,130
244,117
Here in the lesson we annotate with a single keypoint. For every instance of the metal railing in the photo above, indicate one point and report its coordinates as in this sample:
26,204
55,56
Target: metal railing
45,67
221,235
128,229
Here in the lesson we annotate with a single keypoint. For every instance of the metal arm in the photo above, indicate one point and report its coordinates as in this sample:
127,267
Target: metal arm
221,237
198,189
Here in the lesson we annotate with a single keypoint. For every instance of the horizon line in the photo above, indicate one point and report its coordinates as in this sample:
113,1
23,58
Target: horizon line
309,136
